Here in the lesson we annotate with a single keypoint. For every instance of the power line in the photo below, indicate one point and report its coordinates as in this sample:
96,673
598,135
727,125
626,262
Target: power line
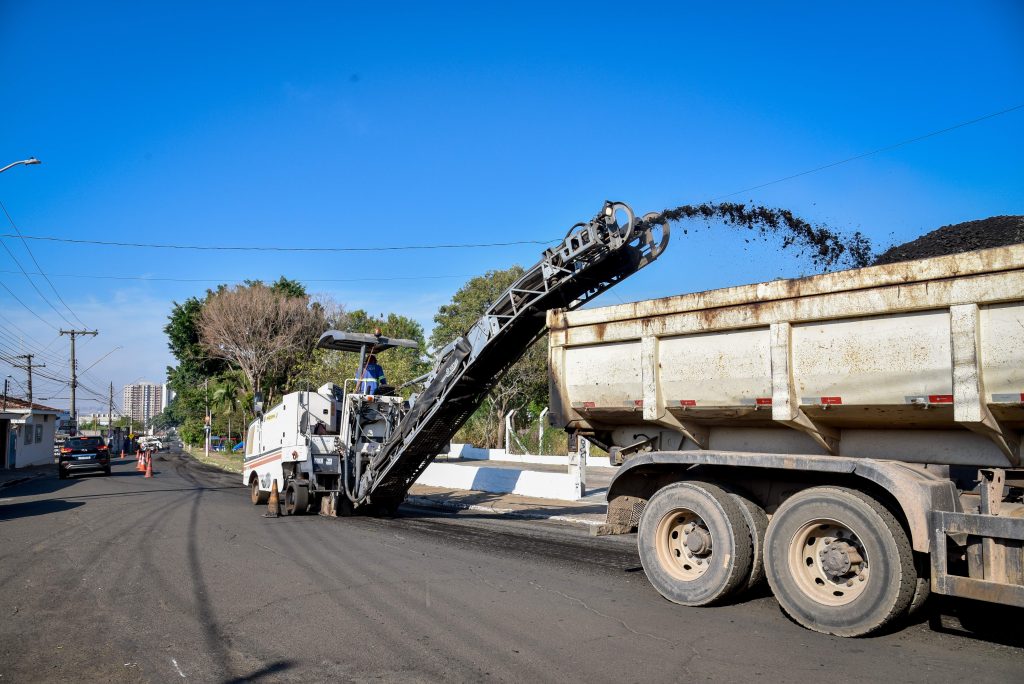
40,268
32,282
23,342
872,152
243,280
39,344
272,248
31,311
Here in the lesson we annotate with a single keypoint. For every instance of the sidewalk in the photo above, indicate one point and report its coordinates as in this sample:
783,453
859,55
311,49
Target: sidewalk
10,478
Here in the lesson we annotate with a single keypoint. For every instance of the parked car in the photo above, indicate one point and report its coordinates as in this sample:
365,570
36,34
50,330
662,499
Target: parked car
83,454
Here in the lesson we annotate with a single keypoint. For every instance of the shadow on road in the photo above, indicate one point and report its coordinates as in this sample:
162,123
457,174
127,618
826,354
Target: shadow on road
28,509
47,484
266,671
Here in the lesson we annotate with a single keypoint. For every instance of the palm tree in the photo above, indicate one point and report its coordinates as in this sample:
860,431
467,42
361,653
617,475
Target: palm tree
225,395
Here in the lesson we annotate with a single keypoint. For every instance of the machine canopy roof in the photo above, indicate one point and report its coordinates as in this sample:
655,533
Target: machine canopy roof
354,342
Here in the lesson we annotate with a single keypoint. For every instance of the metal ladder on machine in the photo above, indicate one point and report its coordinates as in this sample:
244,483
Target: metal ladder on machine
592,258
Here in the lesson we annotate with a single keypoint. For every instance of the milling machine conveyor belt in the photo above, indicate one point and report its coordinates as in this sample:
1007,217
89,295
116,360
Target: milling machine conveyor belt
593,257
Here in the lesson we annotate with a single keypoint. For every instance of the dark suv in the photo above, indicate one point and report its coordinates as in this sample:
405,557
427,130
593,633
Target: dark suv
80,454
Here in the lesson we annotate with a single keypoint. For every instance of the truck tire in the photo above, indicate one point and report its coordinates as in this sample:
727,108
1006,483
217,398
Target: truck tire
839,562
923,587
257,495
757,526
694,543
296,499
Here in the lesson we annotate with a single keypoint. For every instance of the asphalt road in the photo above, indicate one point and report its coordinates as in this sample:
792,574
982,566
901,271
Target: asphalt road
126,579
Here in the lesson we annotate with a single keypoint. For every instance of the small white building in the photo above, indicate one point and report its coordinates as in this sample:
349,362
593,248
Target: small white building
26,433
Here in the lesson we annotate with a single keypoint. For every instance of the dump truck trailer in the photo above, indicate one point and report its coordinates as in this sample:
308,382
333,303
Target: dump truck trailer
853,436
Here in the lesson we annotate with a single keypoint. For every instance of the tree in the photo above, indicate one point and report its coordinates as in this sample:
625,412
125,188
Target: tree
182,331
257,329
227,399
165,419
400,364
526,381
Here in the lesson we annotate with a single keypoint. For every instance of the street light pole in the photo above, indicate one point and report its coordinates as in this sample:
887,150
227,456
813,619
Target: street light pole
27,162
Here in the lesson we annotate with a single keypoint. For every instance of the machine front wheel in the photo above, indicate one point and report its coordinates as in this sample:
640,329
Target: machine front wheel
296,499
257,495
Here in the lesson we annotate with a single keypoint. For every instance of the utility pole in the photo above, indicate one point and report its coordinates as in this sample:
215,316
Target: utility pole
5,393
74,371
208,425
110,414
27,367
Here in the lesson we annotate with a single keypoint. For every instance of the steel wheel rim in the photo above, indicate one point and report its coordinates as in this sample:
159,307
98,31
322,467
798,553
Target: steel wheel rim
675,529
828,562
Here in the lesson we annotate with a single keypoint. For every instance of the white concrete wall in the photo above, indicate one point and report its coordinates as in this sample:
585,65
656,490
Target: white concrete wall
39,452
500,481
470,452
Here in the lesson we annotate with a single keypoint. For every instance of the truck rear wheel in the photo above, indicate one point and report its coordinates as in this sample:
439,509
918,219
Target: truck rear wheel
257,495
694,543
757,526
296,499
839,562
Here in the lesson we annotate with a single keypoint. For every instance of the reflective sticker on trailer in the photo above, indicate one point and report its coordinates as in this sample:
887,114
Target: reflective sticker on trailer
820,401
921,399
1008,398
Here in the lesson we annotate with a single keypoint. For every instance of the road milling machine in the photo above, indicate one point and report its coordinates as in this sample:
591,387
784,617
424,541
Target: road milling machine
339,450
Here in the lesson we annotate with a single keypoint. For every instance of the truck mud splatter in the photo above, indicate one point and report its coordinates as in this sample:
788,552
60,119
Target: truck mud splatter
826,248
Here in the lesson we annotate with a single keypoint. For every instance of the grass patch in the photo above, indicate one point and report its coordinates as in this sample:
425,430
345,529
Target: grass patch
232,463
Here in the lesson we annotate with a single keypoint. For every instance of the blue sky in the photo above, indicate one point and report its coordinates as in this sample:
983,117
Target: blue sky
339,124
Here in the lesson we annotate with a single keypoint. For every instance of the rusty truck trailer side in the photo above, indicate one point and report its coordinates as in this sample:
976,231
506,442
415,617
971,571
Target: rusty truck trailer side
892,394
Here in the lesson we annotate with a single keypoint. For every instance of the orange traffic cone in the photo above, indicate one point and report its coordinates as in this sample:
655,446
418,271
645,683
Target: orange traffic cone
149,464
139,465
273,503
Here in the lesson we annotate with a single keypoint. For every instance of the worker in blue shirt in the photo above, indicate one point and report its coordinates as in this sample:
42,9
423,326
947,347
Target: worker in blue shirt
372,376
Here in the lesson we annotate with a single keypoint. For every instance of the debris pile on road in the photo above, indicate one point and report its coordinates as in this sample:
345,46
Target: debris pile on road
994,231
825,247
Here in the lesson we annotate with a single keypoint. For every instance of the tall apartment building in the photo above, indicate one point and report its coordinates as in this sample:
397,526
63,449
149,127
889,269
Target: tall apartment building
167,396
143,401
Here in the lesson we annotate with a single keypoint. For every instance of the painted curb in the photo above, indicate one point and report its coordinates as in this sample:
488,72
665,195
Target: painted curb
532,483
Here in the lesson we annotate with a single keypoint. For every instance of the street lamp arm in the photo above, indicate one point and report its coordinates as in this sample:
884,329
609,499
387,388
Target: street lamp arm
27,162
